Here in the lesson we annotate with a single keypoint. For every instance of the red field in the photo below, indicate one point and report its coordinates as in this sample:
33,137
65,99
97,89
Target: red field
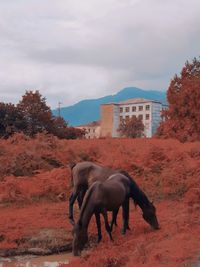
35,185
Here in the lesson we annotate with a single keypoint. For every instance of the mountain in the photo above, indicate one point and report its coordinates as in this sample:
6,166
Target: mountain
87,111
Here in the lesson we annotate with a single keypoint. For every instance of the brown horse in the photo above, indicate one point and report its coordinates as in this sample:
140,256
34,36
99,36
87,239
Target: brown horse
109,196
84,174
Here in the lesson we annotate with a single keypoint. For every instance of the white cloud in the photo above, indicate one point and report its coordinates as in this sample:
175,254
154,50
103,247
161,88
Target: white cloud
73,49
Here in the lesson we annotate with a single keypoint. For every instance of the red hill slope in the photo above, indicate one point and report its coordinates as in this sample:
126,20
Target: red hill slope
35,186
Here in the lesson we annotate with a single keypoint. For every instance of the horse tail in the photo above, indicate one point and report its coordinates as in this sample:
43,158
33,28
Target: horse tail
71,165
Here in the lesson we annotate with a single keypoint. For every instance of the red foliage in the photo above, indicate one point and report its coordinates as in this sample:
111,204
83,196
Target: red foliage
131,127
11,120
32,116
36,114
182,119
34,205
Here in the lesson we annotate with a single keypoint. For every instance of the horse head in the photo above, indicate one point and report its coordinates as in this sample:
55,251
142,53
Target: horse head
80,238
149,215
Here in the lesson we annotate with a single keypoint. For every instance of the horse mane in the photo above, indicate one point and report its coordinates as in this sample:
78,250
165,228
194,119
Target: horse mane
139,197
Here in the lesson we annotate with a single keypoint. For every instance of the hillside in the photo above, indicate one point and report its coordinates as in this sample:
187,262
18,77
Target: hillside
89,110
35,186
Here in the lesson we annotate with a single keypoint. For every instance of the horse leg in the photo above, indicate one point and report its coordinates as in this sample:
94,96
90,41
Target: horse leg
114,218
72,199
98,222
125,214
80,198
107,226
127,226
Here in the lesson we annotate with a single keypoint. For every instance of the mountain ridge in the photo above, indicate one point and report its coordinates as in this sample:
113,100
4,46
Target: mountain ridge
90,108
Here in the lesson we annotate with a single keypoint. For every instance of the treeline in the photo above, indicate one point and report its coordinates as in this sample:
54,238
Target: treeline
31,116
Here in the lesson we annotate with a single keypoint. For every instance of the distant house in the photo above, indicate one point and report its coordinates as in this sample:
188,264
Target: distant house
92,130
148,110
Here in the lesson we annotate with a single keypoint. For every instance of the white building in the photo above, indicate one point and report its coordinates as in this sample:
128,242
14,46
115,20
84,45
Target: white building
148,110
92,130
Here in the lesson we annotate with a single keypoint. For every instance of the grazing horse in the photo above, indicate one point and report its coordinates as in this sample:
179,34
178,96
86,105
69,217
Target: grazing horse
83,175
109,196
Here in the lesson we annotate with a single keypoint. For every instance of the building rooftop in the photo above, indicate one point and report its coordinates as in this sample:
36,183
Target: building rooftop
137,101
133,101
91,124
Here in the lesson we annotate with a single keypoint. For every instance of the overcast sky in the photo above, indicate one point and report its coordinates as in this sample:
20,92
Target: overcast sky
75,49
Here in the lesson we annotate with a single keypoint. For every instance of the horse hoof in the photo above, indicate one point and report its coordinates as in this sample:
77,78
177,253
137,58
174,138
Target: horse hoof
111,237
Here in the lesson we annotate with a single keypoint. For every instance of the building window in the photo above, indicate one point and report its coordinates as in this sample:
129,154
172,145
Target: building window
121,110
140,108
133,108
127,109
147,107
147,116
93,130
140,117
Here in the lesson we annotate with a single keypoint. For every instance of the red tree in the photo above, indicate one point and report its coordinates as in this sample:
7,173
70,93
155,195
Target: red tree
131,127
182,118
36,113
11,120
37,117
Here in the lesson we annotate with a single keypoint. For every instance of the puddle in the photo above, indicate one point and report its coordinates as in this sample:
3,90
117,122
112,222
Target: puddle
36,261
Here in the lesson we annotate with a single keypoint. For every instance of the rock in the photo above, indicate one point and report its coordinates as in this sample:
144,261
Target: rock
39,251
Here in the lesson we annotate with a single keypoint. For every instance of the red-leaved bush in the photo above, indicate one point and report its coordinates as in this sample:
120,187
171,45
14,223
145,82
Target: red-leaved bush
35,184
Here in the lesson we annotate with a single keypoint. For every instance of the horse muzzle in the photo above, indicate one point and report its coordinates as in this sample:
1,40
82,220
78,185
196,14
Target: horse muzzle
155,226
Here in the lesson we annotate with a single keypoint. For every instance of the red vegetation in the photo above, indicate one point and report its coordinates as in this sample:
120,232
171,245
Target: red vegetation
131,127
182,119
35,185
31,116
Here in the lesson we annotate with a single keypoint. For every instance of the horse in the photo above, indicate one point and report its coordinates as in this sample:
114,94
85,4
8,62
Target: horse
83,175
109,196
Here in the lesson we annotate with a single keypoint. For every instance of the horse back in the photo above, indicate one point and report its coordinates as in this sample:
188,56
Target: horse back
86,173
81,172
111,193
99,174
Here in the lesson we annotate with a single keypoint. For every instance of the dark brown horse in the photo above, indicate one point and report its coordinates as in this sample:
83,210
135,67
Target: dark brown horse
109,196
84,174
